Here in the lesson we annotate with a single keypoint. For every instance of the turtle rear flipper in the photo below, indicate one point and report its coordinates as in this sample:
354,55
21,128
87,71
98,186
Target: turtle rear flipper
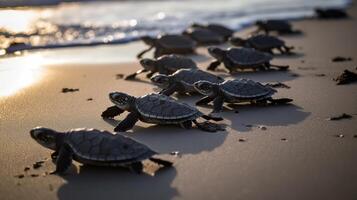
209,126
162,162
280,101
144,51
212,117
132,76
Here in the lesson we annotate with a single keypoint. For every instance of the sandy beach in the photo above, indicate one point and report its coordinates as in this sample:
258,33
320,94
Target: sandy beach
298,156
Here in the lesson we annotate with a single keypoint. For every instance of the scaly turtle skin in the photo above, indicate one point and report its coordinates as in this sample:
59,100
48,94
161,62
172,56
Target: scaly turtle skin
203,36
224,31
166,64
182,81
156,109
263,43
94,147
282,27
169,44
235,91
241,58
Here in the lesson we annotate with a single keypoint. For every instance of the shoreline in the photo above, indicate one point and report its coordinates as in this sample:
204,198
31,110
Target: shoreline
298,156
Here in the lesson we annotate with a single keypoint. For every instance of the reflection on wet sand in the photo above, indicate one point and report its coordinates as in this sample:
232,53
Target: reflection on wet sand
18,73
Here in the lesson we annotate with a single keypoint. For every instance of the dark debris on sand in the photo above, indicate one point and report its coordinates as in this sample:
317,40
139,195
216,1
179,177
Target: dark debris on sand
339,117
341,59
346,77
320,75
90,99
65,90
278,85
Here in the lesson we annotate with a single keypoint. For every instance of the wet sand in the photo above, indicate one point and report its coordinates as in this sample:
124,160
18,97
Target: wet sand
297,157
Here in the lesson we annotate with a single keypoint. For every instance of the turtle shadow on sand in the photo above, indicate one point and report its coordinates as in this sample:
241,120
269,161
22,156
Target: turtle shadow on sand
263,76
167,138
105,183
271,115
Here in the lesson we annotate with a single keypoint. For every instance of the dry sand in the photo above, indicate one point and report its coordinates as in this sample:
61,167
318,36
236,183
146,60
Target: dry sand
311,163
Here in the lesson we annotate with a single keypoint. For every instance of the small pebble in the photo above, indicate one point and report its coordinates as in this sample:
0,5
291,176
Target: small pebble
26,169
19,176
284,139
248,125
90,99
34,175
263,128
340,135
241,140
65,90
341,59
320,75
236,111
342,116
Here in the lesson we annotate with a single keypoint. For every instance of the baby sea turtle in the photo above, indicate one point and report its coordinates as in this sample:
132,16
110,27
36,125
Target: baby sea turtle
280,26
182,81
169,44
203,36
241,58
264,43
94,147
236,91
166,64
224,31
156,109
331,13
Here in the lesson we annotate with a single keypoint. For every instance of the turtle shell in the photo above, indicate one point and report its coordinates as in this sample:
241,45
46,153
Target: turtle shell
172,63
162,109
93,146
246,89
278,25
204,36
222,30
265,42
247,56
176,42
191,76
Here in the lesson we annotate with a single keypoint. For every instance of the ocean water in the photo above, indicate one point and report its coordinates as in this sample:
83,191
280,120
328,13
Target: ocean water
92,23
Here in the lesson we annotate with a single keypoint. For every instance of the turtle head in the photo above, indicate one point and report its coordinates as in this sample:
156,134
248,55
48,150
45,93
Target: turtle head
205,87
148,64
216,52
237,41
45,137
161,80
148,40
121,100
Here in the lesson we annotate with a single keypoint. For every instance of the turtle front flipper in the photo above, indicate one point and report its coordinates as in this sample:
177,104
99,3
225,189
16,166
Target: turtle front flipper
213,66
127,123
132,76
144,51
174,87
205,100
64,159
209,126
149,75
280,101
111,112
